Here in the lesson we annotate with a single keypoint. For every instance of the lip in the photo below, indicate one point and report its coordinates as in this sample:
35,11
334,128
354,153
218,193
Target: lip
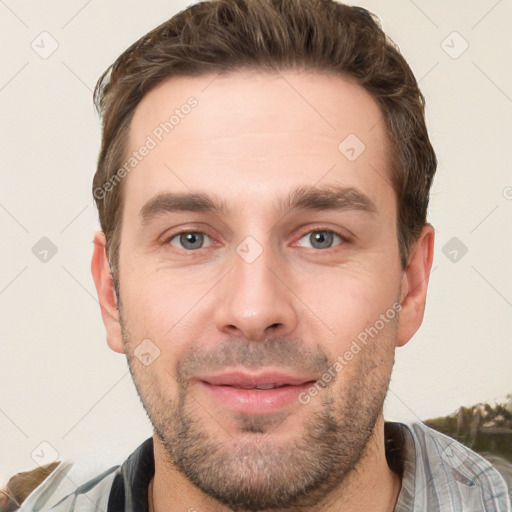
229,390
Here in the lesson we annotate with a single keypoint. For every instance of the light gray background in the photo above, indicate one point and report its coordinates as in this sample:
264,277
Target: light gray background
61,384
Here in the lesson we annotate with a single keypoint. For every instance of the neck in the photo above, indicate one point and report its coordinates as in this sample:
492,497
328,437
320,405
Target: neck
371,485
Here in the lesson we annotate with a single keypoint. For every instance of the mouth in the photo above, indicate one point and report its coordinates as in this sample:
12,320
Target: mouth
262,393
259,386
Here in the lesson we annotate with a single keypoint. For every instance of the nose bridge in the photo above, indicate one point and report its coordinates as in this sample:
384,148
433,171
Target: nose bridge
254,301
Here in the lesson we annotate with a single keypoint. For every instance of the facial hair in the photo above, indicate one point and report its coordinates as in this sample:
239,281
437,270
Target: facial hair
256,469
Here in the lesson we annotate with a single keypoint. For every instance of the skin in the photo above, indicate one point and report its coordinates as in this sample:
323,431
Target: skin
251,139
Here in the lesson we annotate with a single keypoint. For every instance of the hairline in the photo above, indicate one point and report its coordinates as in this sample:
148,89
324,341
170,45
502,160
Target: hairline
392,152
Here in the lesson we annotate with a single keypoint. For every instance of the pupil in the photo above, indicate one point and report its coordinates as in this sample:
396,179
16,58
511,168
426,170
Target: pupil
321,238
191,240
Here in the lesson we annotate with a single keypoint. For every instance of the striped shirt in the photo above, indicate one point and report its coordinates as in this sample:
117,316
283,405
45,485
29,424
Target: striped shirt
438,475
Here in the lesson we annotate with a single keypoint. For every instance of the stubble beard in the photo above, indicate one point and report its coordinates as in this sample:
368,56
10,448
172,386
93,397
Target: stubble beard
256,469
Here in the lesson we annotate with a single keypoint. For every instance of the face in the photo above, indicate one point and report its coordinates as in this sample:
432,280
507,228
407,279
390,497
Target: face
258,252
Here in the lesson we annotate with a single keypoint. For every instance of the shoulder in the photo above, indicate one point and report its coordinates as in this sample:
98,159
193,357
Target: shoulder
454,473
59,484
91,482
22,484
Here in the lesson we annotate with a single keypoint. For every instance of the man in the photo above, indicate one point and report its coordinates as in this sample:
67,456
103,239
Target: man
262,186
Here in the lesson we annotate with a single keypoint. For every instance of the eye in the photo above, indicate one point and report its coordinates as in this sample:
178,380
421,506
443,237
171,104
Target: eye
189,240
321,239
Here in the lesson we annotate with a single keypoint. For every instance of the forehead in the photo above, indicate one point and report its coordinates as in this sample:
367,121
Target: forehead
247,132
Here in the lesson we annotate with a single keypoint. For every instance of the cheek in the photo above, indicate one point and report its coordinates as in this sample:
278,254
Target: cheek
156,300
348,302
165,308
365,362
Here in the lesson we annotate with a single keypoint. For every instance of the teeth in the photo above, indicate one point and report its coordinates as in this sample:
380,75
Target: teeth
260,386
266,386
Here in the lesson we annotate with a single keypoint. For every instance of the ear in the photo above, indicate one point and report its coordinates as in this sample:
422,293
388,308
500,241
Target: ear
413,290
105,288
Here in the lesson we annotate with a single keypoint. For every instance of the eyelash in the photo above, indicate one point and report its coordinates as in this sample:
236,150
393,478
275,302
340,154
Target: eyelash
343,239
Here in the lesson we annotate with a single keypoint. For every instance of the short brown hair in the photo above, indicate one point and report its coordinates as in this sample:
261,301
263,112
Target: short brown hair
229,35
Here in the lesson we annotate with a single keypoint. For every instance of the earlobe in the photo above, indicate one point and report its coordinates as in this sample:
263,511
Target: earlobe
414,285
105,289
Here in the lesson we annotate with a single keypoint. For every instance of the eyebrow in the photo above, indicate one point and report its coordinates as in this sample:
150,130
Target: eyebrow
329,197
182,201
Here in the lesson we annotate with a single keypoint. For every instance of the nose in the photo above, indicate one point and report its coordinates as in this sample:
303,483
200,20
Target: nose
255,300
